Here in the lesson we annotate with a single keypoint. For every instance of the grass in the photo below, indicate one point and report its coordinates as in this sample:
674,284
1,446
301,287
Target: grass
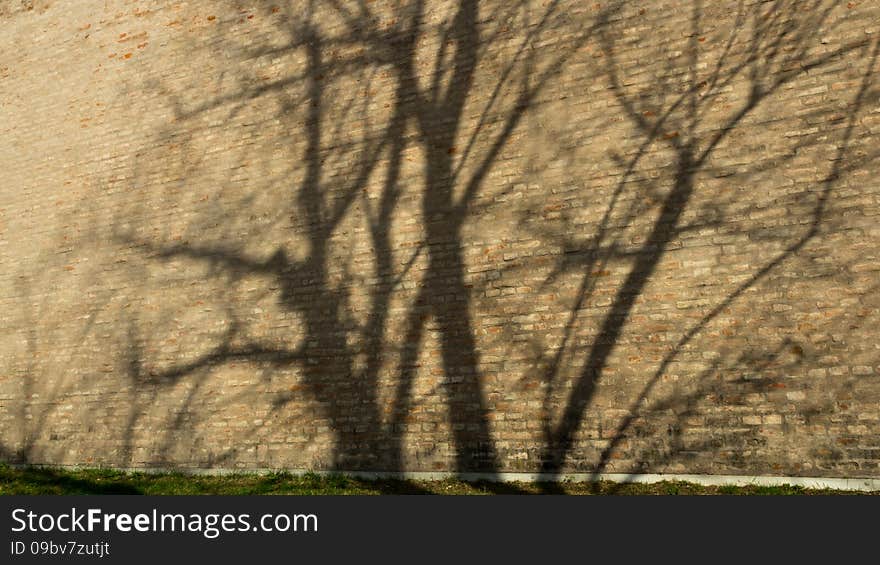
35,480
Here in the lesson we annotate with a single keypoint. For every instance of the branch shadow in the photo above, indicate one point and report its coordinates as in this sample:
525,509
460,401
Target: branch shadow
777,52
341,361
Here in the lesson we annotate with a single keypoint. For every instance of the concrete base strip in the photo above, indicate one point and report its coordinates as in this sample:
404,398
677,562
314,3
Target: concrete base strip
835,483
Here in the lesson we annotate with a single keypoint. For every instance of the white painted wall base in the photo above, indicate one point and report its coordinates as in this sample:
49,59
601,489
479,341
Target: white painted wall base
850,484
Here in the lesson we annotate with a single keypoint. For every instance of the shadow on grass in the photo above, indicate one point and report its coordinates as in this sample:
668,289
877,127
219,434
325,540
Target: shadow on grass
50,481
46,481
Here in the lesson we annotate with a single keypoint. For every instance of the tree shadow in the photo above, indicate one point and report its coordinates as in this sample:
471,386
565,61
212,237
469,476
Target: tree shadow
776,52
324,254
339,360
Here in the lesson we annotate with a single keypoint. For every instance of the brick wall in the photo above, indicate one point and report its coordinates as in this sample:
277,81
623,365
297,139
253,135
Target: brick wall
475,236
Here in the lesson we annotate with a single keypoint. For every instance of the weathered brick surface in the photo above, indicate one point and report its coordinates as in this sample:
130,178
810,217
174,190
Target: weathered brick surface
525,236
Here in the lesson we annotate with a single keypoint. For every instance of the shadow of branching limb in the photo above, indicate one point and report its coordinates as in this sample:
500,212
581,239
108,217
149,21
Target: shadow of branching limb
444,295
376,129
838,168
770,46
